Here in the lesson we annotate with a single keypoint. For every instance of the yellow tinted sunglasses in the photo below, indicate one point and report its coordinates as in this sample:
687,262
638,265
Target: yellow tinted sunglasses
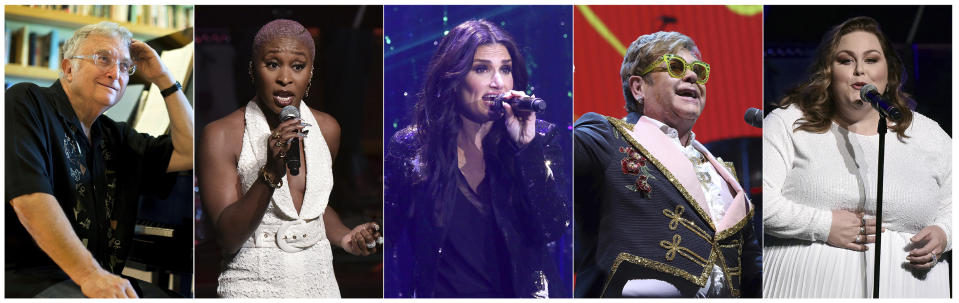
676,66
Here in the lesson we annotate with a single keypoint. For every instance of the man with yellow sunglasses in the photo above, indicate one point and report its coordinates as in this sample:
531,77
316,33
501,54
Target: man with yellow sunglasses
656,214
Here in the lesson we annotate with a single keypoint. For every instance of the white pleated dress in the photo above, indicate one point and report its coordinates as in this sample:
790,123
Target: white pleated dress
806,175
288,255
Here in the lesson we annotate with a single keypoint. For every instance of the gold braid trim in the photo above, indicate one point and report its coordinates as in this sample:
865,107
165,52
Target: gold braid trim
624,128
673,247
731,167
735,228
676,216
731,271
669,269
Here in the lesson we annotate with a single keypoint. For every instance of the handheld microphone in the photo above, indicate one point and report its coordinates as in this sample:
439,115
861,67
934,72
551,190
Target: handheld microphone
292,157
870,93
754,117
523,104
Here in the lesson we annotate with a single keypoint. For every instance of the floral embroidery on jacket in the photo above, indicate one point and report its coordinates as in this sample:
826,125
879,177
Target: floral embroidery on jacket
635,164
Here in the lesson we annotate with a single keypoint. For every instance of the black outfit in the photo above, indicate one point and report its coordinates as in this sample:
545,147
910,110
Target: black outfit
648,228
97,182
466,260
527,213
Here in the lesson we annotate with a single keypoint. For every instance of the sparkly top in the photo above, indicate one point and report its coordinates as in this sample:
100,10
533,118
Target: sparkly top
530,207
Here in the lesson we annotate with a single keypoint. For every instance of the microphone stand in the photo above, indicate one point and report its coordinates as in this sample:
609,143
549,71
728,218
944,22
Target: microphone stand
882,148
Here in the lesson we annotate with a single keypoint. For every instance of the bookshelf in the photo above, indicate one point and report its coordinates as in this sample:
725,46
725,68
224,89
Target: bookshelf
70,20
149,22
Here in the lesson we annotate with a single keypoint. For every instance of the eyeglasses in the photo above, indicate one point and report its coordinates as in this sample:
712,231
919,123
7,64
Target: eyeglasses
105,61
676,66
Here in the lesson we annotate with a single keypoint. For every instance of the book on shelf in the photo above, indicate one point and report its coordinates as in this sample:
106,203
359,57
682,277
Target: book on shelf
19,47
31,48
48,50
40,49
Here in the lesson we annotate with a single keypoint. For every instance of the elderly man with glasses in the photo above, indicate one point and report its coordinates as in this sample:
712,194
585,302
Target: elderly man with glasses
74,176
656,214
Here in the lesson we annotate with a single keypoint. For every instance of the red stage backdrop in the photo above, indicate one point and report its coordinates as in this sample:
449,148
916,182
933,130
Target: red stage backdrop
730,38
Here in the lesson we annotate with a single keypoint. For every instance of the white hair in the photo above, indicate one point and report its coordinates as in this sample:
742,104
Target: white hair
105,28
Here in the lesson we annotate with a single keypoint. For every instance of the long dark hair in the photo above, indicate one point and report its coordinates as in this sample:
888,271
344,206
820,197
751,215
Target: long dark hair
436,114
813,95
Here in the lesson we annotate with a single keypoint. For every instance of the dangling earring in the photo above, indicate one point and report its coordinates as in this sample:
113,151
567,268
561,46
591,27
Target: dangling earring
308,85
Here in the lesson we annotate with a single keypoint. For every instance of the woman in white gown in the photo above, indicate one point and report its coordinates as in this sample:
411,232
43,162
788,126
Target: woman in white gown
275,226
820,154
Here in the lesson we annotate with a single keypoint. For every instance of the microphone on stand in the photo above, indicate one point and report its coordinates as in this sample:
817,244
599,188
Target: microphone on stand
292,157
754,117
870,93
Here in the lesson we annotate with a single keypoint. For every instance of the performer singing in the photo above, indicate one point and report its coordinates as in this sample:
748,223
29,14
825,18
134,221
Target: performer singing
474,193
74,177
656,214
276,228
820,151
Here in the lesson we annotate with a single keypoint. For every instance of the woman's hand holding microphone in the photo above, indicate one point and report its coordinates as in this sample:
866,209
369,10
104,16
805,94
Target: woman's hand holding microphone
279,145
521,125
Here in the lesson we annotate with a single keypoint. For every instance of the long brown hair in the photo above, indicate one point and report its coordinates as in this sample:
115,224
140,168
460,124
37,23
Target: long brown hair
813,95
436,113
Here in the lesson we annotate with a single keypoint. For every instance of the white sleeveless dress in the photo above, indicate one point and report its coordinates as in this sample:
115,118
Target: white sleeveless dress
289,255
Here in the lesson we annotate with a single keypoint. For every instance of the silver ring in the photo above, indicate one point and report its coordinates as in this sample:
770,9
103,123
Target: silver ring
858,239
934,258
862,230
862,222
371,245
279,143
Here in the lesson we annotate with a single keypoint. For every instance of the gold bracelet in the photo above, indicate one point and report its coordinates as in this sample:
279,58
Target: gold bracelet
268,180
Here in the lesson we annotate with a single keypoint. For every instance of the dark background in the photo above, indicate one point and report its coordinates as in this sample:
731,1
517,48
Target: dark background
347,84
544,36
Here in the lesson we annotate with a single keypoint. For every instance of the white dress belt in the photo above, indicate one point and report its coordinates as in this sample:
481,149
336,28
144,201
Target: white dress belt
291,236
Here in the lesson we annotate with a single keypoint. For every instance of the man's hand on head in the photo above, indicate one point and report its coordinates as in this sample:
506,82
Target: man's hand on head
149,64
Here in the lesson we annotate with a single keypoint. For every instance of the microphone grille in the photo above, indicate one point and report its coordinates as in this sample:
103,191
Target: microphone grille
288,112
865,90
754,117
